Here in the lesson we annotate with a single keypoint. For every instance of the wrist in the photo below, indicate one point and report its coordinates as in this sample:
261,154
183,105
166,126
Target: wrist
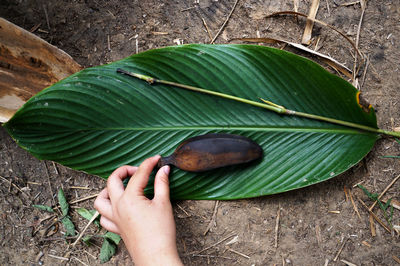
165,259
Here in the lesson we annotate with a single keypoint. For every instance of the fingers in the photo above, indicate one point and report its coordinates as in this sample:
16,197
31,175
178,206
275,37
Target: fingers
161,184
139,181
109,225
114,183
103,204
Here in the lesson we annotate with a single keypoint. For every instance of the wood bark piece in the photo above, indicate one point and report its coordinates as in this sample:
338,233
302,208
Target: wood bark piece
28,64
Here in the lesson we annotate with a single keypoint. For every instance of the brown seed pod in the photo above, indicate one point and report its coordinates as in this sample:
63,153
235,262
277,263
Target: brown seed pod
212,151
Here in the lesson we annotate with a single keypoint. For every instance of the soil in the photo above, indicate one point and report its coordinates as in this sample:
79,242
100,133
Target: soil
315,223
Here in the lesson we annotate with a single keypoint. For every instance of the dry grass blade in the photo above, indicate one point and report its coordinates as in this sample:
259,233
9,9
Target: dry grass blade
239,253
340,250
278,216
213,245
319,22
374,215
327,59
348,263
306,39
354,205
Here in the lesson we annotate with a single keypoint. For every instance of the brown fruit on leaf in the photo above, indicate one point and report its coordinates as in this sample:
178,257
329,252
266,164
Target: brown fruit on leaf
212,151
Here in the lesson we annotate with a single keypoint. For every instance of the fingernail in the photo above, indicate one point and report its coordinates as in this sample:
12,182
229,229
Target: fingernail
166,169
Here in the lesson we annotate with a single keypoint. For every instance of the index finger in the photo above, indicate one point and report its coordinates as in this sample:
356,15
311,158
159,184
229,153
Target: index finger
139,181
115,186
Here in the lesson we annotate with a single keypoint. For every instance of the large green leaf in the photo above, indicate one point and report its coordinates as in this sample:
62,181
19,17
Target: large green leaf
97,119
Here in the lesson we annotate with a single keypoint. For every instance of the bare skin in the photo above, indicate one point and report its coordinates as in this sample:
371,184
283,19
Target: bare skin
146,226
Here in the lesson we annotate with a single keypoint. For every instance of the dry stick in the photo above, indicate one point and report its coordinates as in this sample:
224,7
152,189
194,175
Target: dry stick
238,253
396,259
354,205
350,3
58,257
374,215
91,255
189,8
77,187
212,256
363,7
83,199
317,21
14,185
47,17
364,73
318,234
55,168
95,215
383,192
278,215
328,8
372,225
296,5
48,180
340,250
78,200
207,29
309,24
213,245
348,263
226,21
79,261
182,209
212,222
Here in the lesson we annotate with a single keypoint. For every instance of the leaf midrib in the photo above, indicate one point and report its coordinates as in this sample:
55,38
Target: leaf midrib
221,128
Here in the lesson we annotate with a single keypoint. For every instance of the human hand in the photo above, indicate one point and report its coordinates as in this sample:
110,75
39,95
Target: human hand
146,226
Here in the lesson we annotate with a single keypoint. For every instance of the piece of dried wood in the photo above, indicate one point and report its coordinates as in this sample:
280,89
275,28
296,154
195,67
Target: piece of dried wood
28,64
306,39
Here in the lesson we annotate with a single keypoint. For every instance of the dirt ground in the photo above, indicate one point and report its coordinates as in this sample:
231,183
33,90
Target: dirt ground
315,223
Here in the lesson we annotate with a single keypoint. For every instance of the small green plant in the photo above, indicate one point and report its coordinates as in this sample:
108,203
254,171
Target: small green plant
110,240
393,156
387,212
64,206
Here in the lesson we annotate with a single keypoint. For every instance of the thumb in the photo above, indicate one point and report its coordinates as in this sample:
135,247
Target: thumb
161,184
